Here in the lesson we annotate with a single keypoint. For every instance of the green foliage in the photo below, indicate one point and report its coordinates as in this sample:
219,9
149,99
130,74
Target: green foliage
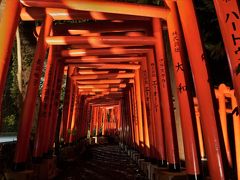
63,91
74,132
12,98
10,123
210,29
69,131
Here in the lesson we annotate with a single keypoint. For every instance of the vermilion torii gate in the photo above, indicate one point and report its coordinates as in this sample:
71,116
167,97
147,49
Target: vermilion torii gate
117,69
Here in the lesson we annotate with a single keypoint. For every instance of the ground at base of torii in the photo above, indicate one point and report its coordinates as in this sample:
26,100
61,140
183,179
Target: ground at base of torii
102,162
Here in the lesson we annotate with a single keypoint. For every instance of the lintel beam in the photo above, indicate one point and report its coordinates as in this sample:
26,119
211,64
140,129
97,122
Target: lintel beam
103,6
100,40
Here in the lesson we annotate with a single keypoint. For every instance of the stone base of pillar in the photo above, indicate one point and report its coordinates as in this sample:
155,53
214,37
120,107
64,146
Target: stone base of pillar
136,156
46,169
144,166
21,175
159,173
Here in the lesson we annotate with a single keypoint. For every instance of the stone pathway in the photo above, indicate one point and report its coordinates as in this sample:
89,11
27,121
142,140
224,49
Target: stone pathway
102,162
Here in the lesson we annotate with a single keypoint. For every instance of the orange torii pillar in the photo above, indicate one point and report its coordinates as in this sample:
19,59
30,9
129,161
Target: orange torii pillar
93,109
128,121
125,121
73,92
80,118
202,87
146,115
120,125
8,25
56,102
166,100
115,117
77,96
87,120
139,109
99,116
44,123
50,127
229,21
147,109
236,125
66,103
199,129
220,94
158,120
184,93
91,120
31,95
135,123
111,120
48,103
97,120
131,117
121,121
104,122
85,115
118,117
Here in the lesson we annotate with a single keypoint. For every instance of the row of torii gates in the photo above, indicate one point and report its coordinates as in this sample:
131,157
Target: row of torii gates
117,63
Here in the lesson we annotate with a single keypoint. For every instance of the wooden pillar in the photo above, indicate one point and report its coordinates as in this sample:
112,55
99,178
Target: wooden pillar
147,107
130,106
91,121
66,102
220,94
202,88
71,108
56,102
31,95
184,93
81,117
236,125
229,20
146,117
156,109
135,116
139,109
166,100
72,136
8,26
44,122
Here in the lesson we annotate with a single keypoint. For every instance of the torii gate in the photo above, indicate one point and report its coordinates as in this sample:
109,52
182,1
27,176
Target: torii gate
147,60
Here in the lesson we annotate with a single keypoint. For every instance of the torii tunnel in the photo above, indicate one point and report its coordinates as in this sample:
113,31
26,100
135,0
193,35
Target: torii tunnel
119,81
